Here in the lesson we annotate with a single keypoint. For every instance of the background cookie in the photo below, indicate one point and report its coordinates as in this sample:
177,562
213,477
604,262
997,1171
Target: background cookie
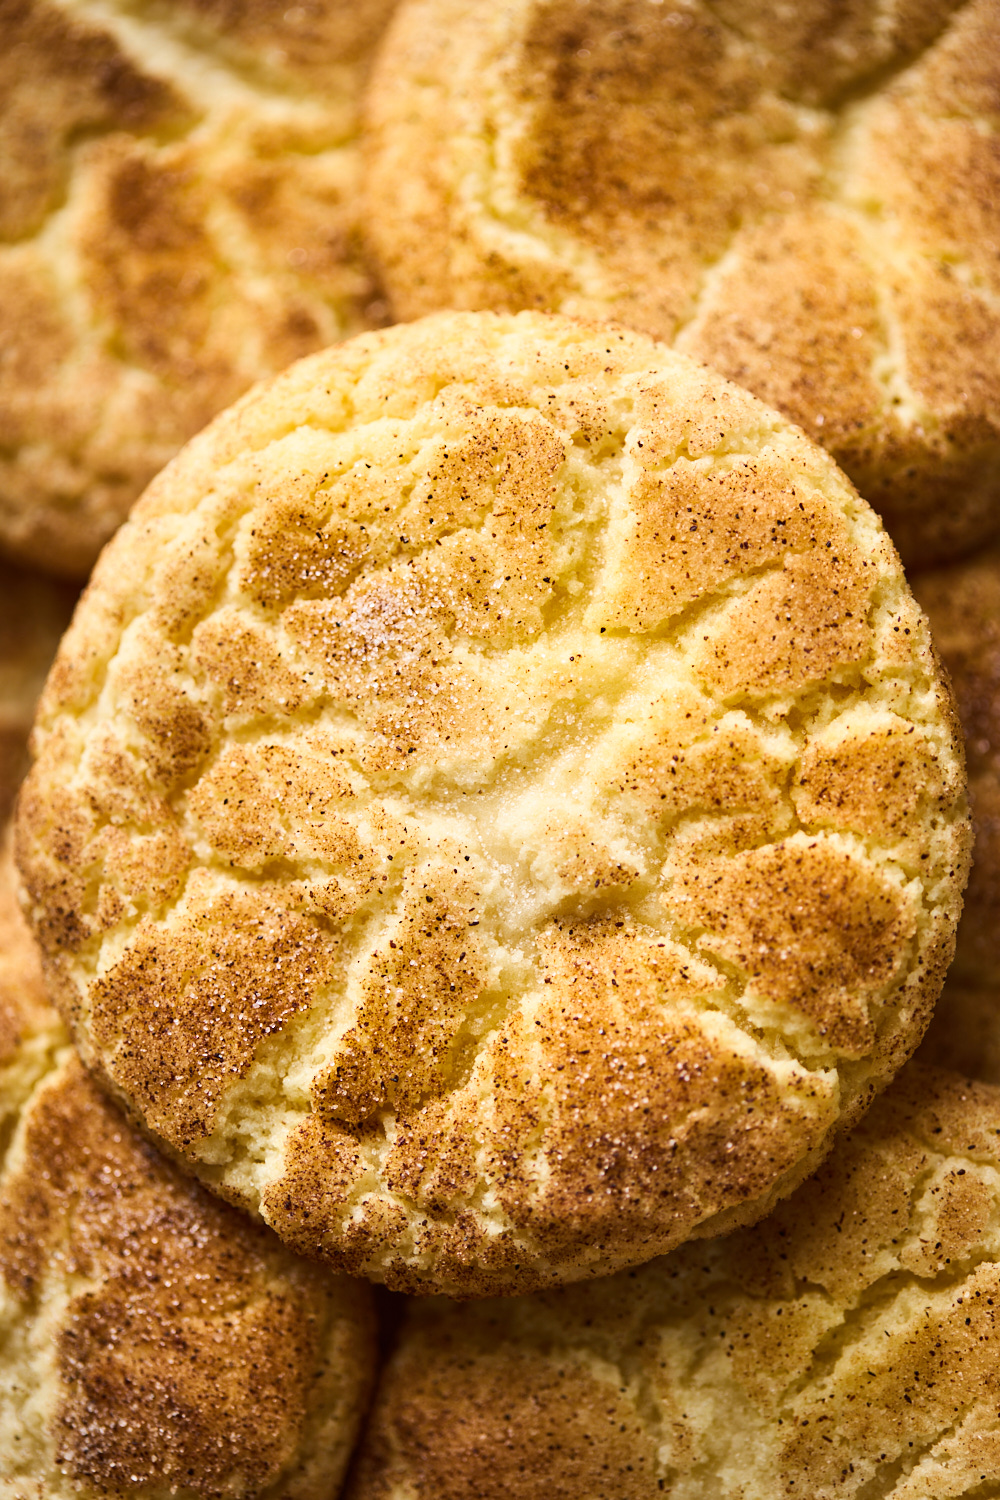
154,1340
34,612
178,217
808,201
963,604
496,811
846,1346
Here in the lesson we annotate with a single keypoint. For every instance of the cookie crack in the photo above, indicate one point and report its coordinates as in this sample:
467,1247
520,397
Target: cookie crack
181,47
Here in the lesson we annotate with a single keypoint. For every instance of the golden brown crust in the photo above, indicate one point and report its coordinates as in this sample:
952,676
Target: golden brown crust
476,1424
197,1353
458,825
178,217
30,1030
809,205
154,1339
846,1346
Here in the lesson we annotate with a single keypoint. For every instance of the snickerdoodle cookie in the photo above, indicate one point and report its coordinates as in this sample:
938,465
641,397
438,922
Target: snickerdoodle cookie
155,1342
806,197
963,605
849,1346
178,217
496,810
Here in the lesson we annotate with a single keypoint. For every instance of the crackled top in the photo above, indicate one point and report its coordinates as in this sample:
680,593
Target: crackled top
807,197
496,808
155,1341
178,217
845,1348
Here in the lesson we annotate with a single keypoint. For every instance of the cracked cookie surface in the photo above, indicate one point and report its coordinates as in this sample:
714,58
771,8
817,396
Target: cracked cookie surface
153,1340
845,1347
496,811
809,203
178,218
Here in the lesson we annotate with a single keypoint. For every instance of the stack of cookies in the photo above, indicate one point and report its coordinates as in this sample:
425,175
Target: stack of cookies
498,819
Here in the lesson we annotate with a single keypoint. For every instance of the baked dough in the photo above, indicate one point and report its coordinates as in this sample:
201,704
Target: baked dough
806,197
963,605
178,217
497,812
34,612
154,1341
846,1347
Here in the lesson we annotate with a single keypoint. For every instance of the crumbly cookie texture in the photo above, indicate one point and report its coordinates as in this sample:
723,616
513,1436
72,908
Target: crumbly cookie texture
808,199
845,1347
178,217
497,812
963,605
34,612
155,1342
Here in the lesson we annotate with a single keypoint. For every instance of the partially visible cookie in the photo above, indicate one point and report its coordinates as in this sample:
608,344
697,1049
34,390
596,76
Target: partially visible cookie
30,1030
34,612
178,217
497,812
806,198
963,604
154,1341
848,1346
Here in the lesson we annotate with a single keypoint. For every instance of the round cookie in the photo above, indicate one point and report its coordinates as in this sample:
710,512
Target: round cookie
845,1347
963,605
178,217
34,612
155,1341
807,199
496,811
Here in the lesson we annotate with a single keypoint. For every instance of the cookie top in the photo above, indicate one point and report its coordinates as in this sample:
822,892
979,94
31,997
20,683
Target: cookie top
496,809
845,1347
34,612
963,605
807,199
178,217
155,1340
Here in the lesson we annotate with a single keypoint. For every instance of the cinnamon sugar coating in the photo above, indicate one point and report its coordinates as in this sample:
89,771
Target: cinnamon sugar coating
155,1341
808,200
178,217
845,1347
460,824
